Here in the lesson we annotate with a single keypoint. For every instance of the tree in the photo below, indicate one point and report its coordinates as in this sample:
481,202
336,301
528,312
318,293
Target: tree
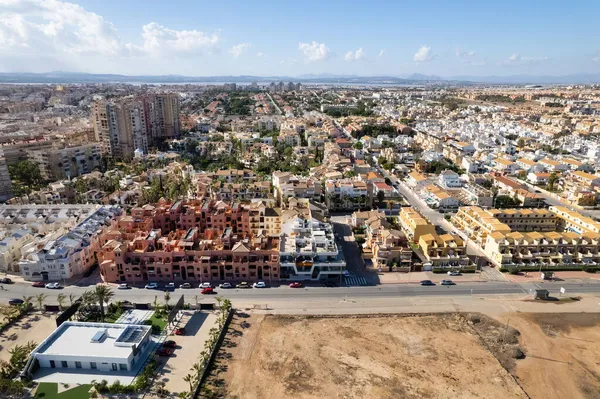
103,294
71,299
167,299
190,379
28,174
551,181
27,300
521,143
40,298
358,145
61,300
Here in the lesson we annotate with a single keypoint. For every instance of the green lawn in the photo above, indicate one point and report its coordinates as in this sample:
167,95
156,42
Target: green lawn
159,321
49,390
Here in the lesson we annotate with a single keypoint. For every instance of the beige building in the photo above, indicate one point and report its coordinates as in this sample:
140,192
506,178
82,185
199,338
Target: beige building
414,224
64,163
6,189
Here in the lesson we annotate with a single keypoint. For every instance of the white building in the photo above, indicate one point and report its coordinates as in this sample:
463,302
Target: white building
308,250
449,179
10,247
112,348
72,254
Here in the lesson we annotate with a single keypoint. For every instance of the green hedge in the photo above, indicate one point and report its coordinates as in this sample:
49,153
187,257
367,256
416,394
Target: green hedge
589,269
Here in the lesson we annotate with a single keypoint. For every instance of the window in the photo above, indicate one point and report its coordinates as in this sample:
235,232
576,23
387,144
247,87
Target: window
64,364
122,366
77,365
93,365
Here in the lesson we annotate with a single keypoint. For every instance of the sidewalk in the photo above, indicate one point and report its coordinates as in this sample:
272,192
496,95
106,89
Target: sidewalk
535,277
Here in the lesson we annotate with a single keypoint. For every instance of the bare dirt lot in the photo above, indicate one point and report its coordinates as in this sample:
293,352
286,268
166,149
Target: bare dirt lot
355,357
562,354
34,327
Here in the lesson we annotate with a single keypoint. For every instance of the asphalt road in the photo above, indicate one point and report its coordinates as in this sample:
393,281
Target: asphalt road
313,293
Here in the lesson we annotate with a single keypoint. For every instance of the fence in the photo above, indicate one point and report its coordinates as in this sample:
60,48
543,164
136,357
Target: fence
213,354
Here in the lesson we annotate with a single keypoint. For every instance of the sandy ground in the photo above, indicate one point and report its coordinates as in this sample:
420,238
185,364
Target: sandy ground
562,354
355,357
33,327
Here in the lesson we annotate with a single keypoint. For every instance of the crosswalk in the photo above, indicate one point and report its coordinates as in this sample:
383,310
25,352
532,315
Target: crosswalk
353,281
493,274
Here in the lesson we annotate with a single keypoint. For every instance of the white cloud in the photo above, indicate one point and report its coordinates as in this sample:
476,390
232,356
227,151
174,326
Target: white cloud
424,54
65,34
516,59
260,54
464,54
314,51
239,49
381,53
355,55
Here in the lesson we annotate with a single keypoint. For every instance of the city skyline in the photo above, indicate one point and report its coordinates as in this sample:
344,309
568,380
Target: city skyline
137,38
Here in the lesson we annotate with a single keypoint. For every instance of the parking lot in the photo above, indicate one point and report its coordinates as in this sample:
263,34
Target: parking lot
187,349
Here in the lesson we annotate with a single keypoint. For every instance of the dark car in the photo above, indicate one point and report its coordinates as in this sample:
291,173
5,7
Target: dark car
38,284
447,282
330,284
426,282
169,344
179,331
16,301
165,351
6,280
296,284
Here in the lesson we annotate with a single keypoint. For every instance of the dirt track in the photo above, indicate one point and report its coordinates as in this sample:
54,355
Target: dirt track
380,357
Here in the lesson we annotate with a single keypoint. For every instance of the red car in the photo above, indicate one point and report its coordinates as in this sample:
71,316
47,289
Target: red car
296,284
207,290
38,284
165,352
169,344
179,331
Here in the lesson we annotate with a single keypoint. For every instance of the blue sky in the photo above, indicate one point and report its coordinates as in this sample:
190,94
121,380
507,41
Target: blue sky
203,38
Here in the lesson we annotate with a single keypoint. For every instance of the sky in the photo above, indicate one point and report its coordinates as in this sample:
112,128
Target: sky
294,38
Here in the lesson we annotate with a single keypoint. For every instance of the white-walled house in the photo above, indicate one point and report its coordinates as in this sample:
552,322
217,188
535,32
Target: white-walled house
449,179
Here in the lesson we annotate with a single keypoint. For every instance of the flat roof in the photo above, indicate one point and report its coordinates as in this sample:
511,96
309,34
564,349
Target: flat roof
93,340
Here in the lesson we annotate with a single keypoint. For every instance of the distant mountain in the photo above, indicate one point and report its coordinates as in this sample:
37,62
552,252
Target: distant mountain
324,78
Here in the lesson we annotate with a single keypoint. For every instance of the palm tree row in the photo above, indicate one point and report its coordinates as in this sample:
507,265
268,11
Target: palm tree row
209,345
100,295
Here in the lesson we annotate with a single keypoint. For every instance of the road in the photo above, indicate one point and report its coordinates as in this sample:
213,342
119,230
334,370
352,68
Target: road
314,294
275,104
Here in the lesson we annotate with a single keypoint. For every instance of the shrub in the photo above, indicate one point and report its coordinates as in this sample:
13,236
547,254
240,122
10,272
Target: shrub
513,270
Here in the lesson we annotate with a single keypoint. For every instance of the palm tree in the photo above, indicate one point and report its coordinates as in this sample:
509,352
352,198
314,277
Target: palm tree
61,300
103,294
190,379
167,299
71,299
27,302
40,298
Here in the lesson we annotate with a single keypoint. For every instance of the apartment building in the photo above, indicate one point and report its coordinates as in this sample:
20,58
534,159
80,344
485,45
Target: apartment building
71,254
386,247
445,250
307,249
125,125
287,185
414,224
191,241
65,163
6,188
346,194
518,190
438,198
11,242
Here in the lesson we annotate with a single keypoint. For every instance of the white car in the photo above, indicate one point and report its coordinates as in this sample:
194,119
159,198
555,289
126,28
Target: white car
53,286
226,285
205,285
124,286
259,284
151,286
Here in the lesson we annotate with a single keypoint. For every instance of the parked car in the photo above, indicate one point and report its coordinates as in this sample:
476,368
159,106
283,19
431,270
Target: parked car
330,284
454,273
170,286
207,290
259,284
296,284
124,286
179,331
185,285
6,280
53,286
16,301
426,282
38,284
447,282
151,286
205,285
243,284
165,351
169,344
226,285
